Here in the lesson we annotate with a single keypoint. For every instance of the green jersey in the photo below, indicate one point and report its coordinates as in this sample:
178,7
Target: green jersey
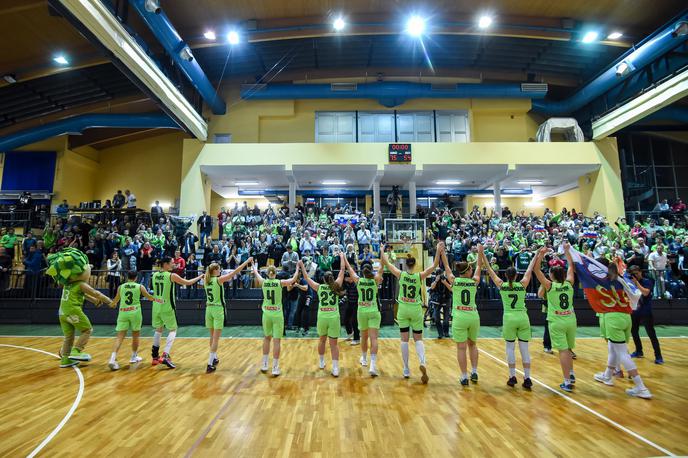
367,295
328,302
272,297
214,292
409,290
163,288
129,297
464,291
72,296
560,302
513,298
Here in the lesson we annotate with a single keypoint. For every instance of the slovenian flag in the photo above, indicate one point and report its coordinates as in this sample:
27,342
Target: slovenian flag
604,295
589,235
539,228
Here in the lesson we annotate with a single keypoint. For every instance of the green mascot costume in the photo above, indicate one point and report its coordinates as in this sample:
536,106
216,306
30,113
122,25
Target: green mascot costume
70,269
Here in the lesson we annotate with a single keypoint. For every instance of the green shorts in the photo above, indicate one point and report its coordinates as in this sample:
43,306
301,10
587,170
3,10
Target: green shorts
129,321
410,317
273,325
617,326
563,334
72,318
603,330
214,316
329,326
516,326
164,315
368,320
465,327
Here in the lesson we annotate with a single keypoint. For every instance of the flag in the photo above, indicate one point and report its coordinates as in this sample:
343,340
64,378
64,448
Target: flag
604,295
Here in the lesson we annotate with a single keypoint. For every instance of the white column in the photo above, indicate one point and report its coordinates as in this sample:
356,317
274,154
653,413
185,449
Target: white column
292,197
498,198
376,199
412,197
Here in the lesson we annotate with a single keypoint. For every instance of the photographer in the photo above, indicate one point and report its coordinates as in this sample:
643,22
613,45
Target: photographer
439,300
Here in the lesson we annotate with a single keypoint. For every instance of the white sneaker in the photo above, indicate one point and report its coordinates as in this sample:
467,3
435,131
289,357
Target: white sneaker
602,379
355,342
321,364
135,360
350,336
363,361
335,372
264,367
276,371
113,365
373,371
407,372
639,392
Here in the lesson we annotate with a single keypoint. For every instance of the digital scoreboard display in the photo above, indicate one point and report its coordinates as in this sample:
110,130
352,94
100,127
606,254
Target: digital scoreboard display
400,153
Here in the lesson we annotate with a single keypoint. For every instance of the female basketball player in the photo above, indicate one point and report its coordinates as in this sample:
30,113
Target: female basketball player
465,317
215,306
368,313
164,309
410,312
328,324
515,322
560,314
273,316
129,317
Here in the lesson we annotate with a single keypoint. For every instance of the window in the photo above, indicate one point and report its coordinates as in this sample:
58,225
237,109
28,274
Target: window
415,127
376,127
335,127
452,126
223,138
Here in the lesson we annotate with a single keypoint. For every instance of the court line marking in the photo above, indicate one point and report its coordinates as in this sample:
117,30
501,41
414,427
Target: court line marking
586,408
309,338
72,409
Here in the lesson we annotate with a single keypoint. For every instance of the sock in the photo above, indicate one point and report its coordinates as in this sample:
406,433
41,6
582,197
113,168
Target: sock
364,355
624,358
464,375
211,358
607,372
321,358
526,372
265,360
638,382
275,363
567,381
511,356
169,341
156,338
373,358
571,372
113,357
420,351
335,364
474,370
405,354
512,372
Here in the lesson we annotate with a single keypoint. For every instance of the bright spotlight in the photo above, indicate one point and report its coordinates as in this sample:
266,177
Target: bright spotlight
186,54
680,30
210,35
233,37
152,6
589,37
614,36
484,22
415,26
339,24
61,59
624,68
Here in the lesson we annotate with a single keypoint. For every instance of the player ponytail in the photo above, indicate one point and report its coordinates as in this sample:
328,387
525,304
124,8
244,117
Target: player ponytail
328,277
368,271
410,261
463,268
511,276
557,274
272,272
209,272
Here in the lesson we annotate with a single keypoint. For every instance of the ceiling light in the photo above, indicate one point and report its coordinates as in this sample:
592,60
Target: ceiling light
10,78
233,37
529,182
152,6
534,204
339,24
210,35
334,182
484,22
680,29
614,36
245,183
61,59
415,26
186,54
624,68
448,182
590,36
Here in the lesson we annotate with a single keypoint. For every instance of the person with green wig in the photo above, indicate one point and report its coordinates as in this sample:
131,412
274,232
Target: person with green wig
70,269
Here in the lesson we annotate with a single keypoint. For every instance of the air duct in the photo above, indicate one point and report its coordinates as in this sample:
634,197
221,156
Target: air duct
168,37
82,122
649,50
390,93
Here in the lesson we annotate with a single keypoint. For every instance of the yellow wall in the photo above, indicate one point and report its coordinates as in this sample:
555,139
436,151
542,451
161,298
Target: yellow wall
150,168
515,204
569,200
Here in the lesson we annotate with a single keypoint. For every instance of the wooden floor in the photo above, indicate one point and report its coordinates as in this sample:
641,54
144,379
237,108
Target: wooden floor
239,412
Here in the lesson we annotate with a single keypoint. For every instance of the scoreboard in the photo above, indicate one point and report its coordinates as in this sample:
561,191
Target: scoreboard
400,153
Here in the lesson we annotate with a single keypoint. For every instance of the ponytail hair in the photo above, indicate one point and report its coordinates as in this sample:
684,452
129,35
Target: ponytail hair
368,272
410,261
557,274
463,267
328,277
272,271
209,272
511,275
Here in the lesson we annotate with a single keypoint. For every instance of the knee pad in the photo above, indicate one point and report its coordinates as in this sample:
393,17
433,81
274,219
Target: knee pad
406,329
417,332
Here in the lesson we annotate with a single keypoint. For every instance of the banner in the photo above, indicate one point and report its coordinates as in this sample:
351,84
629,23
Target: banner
604,295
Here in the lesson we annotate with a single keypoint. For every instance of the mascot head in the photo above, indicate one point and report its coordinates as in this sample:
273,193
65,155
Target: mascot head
68,265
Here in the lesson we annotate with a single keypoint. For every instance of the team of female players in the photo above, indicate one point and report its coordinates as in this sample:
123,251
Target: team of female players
557,290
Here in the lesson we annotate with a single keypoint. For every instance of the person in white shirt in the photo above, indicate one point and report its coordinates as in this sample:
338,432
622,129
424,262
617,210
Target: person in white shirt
131,199
363,237
308,243
657,263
